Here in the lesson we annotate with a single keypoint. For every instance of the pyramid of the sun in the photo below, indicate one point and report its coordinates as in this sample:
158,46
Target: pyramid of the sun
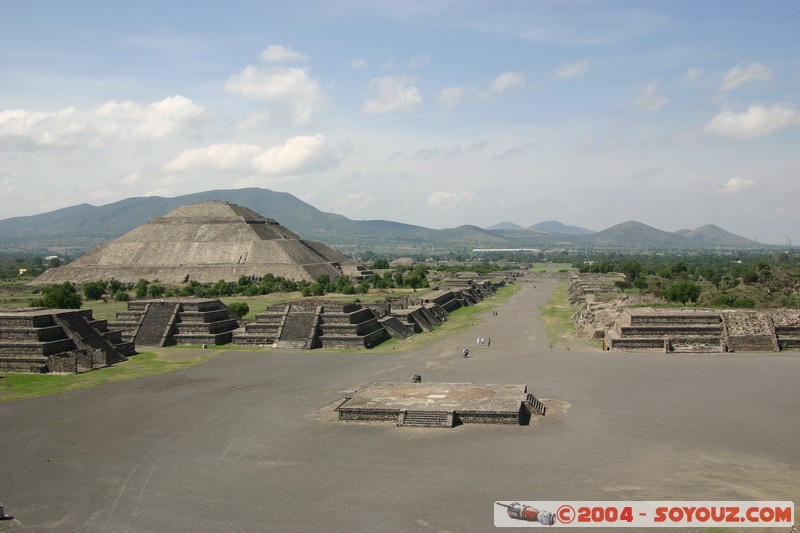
204,242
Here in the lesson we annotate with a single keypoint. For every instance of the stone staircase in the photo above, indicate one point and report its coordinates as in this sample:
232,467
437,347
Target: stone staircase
86,337
534,405
186,321
749,331
58,340
426,419
204,322
788,336
395,328
156,326
314,324
299,330
265,329
669,331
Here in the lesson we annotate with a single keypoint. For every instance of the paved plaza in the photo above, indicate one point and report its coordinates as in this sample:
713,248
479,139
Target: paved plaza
249,441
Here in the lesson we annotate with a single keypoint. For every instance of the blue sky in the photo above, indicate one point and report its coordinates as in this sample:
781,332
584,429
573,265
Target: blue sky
675,114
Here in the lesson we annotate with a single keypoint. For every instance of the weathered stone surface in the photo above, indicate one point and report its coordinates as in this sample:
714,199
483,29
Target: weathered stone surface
204,242
622,326
182,321
58,340
440,404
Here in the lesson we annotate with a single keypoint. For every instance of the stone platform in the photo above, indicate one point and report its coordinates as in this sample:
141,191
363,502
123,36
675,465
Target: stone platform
440,404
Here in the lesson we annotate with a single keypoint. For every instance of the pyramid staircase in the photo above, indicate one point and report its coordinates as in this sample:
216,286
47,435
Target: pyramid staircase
177,321
264,329
88,338
299,329
749,331
395,328
58,340
425,419
156,325
672,331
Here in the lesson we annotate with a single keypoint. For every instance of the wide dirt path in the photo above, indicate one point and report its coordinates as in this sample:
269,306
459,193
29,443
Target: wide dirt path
249,441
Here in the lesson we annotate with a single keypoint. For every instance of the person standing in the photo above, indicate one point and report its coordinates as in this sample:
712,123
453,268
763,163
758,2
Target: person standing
466,352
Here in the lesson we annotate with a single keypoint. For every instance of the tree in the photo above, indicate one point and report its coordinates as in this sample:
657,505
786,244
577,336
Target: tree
381,264
641,284
682,291
141,288
240,308
631,269
155,290
64,296
94,290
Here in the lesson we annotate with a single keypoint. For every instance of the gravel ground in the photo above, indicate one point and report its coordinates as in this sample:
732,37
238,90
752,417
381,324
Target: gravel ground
249,441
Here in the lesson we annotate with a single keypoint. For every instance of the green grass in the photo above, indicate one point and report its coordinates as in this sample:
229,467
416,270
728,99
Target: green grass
20,386
557,317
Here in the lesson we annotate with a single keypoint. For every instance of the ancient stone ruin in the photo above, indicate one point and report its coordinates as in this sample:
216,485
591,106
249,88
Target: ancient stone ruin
608,315
440,405
206,242
58,340
311,324
177,321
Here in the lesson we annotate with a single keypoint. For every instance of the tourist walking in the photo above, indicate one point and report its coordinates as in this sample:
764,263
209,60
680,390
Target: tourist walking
488,341
466,352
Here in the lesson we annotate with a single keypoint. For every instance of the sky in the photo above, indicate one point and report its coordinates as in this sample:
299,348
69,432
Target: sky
592,113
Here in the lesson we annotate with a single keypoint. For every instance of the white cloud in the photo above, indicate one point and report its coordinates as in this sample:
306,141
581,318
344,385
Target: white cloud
358,63
508,81
516,151
229,156
744,73
691,74
418,62
754,122
299,155
449,153
737,186
455,96
575,69
647,173
357,200
111,120
276,53
289,91
392,94
648,98
7,187
451,200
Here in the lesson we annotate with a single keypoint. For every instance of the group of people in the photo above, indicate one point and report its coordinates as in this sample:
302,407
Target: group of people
480,341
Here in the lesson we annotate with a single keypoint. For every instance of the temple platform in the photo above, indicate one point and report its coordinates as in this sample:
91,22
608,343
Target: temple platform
441,404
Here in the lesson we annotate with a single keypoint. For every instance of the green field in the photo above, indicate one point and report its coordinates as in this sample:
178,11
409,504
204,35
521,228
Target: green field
19,386
557,317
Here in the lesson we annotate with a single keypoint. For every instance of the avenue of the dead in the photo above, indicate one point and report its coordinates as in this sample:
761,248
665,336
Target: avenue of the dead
249,441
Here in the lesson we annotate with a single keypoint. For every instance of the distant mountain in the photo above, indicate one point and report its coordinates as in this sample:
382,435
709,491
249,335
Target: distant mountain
635,235
77,229
552,226
714,236
504,225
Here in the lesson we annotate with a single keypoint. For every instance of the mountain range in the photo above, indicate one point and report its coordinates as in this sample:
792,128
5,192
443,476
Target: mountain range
77,229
